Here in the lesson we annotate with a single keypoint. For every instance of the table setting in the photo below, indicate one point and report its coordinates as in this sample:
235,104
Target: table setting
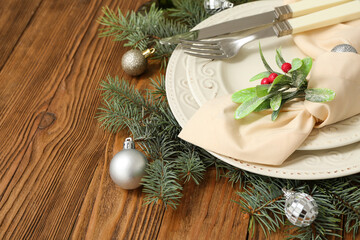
180,119
327,152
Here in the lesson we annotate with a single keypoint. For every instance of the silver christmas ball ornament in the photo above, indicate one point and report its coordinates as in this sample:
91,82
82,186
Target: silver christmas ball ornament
215,6
344,48
128,166
300,208
134,61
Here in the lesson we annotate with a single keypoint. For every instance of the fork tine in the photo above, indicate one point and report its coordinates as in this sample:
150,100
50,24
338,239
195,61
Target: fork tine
208,51
199,42
203,49
200,46
206,56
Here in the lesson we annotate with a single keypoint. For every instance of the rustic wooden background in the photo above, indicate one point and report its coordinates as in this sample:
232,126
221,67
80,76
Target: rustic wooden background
54,158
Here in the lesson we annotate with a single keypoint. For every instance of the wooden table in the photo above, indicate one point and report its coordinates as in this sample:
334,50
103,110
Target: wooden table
54,158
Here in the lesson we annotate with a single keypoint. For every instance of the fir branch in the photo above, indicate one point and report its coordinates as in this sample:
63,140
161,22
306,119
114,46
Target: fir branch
190,12
345,194
159,91
125,95
141,31
113,117
161,148
153,126
161,184
144,30
190,166
263,205
233,174
121,105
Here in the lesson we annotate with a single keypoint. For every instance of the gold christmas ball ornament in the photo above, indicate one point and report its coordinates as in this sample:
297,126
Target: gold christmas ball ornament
134,61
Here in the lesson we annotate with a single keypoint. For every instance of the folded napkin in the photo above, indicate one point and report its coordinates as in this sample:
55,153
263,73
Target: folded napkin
256,138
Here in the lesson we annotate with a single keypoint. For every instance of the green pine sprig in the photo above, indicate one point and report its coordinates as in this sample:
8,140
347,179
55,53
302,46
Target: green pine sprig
345,193
189,12
144,30
190,166
148,118
141,31
161,184
263,206
286,87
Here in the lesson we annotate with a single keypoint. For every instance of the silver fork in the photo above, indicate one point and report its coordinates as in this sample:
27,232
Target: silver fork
228,48
223,48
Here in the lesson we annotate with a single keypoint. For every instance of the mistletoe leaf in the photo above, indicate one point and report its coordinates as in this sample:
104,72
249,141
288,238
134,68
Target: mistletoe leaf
281,79
266,65
275,102
244,95
299,75
263,106
260,76
296,63
262,90
278,58
319,95
298,78
275,114
249,106
307,65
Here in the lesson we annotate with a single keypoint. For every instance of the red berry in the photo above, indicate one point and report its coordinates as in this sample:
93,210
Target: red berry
286,67
272,77
265,81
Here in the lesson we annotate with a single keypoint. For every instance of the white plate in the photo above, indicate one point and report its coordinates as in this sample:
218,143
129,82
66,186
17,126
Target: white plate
322,164
308,165
209,79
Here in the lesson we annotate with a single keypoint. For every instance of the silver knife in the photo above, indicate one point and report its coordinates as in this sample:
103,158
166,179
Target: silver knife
227,48
259,20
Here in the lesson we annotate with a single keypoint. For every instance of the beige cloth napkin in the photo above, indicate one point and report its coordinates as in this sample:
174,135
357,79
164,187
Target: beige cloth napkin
256,138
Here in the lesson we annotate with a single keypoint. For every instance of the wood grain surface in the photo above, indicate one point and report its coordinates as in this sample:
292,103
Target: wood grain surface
54,158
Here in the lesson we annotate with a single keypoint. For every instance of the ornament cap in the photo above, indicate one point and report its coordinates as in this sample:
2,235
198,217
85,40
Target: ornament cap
287,193
227,5
148,52
129,143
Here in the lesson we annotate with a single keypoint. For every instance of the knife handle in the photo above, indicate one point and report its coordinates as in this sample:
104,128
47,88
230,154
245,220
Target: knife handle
304,7
341,13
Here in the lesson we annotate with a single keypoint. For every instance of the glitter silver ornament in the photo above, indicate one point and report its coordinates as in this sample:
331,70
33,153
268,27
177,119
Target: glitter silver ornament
300,208
344,48
128,166
134,61
215,6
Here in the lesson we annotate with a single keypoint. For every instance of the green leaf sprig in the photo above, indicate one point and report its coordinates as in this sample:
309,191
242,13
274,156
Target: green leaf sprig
287,86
